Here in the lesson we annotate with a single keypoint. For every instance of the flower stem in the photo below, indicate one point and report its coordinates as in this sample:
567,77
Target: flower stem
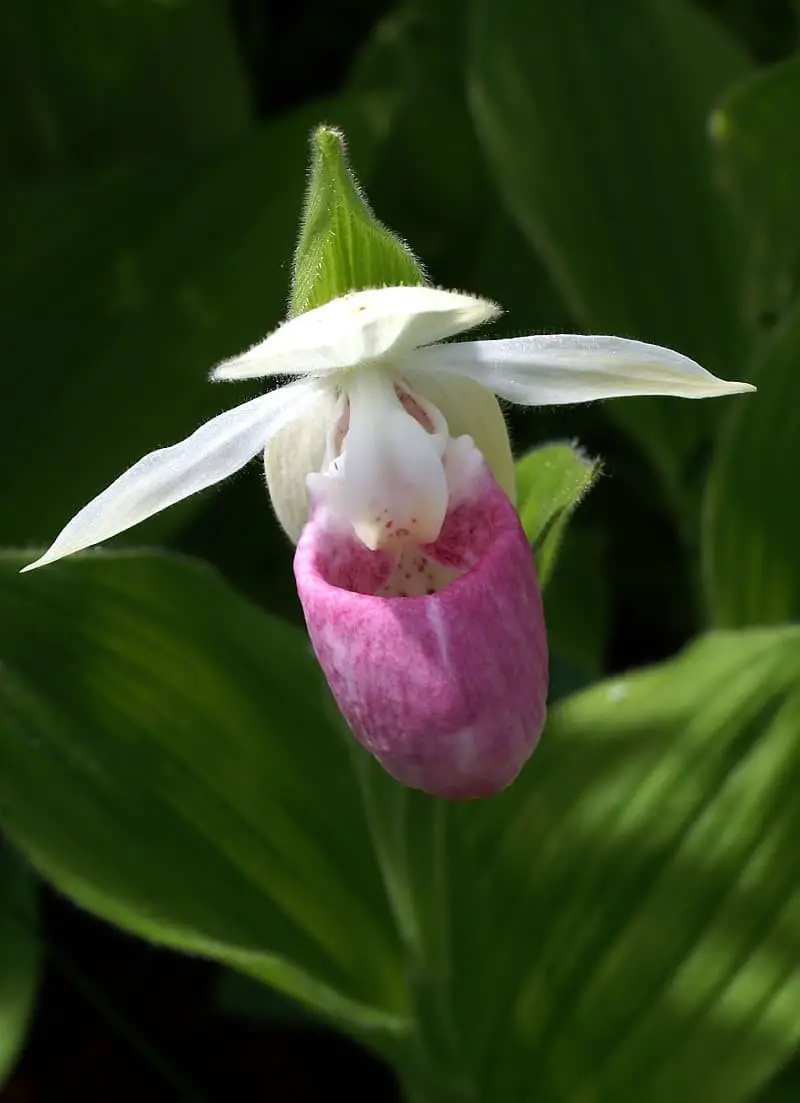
410,836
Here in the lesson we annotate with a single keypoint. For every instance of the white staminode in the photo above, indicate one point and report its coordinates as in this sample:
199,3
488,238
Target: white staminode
390,482
367,347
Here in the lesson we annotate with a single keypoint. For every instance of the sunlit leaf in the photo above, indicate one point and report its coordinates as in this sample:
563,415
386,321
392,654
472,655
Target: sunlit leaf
167,760
623,920
638,888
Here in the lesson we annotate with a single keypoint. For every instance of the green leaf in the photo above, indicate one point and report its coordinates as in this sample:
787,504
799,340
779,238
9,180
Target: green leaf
121,288
637,888
238,996
167,760
758,148
551,481
20,959
97,80
751,528
593,119
416,58
620,924
342,245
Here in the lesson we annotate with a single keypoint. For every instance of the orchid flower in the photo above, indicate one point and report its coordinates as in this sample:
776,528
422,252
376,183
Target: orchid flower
416,578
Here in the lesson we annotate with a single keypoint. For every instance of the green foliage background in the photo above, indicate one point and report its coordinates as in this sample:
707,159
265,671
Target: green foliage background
624,922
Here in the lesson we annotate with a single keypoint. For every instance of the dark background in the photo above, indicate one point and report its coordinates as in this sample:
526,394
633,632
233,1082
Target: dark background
120,1020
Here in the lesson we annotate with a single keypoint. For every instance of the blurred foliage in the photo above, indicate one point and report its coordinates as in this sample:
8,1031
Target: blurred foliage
665,270
754,120
622,924
82,84
752,532
20,958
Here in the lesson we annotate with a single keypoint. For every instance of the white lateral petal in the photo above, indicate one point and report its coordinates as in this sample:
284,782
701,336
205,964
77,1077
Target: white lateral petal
216,450
361,326
552,370
389,483
294,453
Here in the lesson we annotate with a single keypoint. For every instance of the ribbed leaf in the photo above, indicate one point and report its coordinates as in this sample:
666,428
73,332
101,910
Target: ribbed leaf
167,760
639,887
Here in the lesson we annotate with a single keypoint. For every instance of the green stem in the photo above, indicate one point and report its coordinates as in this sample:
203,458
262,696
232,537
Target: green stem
409,832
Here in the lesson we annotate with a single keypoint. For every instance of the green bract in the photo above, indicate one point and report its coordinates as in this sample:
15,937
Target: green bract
342,246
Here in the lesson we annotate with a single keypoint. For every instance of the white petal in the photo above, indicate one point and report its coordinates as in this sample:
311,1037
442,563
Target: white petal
357,328
216,450
563,368
298,449
293,454
389,483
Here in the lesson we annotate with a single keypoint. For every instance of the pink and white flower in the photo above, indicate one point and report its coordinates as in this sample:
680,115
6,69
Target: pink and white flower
389,461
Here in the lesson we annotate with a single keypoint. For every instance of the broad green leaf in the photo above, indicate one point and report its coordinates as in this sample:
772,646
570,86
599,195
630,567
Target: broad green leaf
751,527
593,119
620,924
758,147
638,888
121,288
551,481
167,760
87,82
238,996
342,245
20,959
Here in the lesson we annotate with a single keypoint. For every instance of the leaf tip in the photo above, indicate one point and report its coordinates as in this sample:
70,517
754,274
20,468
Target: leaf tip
327,140
719,128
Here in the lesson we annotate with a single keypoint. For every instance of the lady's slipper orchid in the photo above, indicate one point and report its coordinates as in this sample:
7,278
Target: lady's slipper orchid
415,576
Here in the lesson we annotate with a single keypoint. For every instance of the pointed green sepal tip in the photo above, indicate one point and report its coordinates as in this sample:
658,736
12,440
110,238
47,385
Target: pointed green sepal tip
342,246
551,481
